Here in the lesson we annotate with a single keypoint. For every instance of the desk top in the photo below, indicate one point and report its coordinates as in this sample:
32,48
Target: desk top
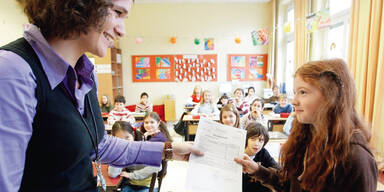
197,118
274,117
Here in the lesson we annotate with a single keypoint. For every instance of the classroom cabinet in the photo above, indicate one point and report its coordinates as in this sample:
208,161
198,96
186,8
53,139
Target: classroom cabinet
109,72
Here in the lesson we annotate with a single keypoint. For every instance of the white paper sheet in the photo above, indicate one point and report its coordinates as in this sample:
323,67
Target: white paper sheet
216,170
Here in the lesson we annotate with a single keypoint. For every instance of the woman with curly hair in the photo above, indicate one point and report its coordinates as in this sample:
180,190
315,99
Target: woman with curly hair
52,129
327,149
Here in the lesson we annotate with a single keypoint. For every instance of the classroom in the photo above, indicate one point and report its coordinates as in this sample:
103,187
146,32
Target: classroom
180,58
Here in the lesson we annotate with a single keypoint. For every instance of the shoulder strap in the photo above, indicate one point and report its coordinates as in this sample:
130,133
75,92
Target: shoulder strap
22,48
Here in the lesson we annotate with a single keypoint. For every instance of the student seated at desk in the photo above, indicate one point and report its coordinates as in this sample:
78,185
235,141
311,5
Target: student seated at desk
106,105
224,99
120,113
251,95
256,114
135,178
257,138
230,116
196,97
241,105
154,128
274,99
283,106
206,107
144,105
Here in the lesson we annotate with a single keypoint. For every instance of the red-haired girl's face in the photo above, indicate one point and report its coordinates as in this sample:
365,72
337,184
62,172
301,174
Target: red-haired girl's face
307,101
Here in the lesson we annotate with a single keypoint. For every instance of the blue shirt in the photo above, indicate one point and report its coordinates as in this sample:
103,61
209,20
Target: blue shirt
278,109
18,107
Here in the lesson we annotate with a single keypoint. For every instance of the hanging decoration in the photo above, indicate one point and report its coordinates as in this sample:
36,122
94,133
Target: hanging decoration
318,20
139,40
237,40
197,41
172,40
209,44
287,27
260,37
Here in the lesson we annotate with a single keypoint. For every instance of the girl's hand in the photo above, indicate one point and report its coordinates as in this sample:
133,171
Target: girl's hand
249,166
181,151
124,174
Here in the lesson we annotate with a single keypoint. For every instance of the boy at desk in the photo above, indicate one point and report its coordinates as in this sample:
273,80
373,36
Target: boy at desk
145,105
120,113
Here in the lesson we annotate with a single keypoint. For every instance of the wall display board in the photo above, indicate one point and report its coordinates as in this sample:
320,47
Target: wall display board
247,67
179,68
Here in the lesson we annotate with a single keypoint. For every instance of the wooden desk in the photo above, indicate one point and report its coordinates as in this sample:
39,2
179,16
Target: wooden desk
271,118
192,125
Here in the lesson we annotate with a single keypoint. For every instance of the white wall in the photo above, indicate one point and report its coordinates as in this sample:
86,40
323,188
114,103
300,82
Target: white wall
11,21
156,23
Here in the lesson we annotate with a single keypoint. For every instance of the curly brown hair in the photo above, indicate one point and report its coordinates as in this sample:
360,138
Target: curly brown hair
317,152
65,19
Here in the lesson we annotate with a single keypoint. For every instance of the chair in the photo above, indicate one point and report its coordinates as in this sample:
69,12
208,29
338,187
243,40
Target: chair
158,175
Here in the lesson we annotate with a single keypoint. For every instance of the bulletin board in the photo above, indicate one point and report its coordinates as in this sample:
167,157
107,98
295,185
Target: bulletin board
170,68
247,67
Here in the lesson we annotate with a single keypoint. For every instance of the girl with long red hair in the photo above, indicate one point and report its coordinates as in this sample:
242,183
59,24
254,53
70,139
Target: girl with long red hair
327,149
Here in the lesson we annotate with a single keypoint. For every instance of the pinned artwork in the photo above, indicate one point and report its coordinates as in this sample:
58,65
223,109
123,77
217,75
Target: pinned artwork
163,73
162,62
260,37
247,67
209,44
198,67
142,62
142,74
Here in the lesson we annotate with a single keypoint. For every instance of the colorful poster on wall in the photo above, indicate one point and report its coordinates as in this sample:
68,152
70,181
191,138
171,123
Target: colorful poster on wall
237,73
163,74
256,73
142,62
260,60
238,61
260,37
142,74
162,62
209,44
252,61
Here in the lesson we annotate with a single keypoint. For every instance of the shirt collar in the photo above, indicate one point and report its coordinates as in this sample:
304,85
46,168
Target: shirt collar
53,65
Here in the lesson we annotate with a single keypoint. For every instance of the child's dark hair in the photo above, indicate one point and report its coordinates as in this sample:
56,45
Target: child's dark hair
144,94
224,96
249,88
162,126
232,108
120,99
126,126
259,100
256,129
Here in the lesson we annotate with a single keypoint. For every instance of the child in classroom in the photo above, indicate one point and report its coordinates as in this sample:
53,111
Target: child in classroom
256,139
135,178
196,97
106,105
144,105
251,95
275,97
283,106
224,99
206,107
154,128
256,114
241,105
230,116
120,113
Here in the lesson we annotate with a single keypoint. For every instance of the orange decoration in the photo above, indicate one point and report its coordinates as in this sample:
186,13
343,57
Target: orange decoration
237,40
172,40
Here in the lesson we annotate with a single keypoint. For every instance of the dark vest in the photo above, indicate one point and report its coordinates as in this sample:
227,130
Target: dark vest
58,154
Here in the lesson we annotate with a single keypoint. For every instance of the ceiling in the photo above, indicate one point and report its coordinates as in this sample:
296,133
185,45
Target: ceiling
201,1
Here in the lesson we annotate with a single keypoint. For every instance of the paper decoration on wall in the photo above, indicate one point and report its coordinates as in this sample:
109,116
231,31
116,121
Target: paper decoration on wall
197,41
142,74
237,40
162,62
196,67
287,27
260,37
324,18
318,20
163,74
209,44
237,74
139,40
142,62
247,67
238,61
172,40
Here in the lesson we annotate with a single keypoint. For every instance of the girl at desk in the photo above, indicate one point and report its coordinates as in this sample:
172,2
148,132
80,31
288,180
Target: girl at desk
196,97
251,95
154,128
257,138
206,107
106,105
241,105
230,116
256,114
327,149
135,178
